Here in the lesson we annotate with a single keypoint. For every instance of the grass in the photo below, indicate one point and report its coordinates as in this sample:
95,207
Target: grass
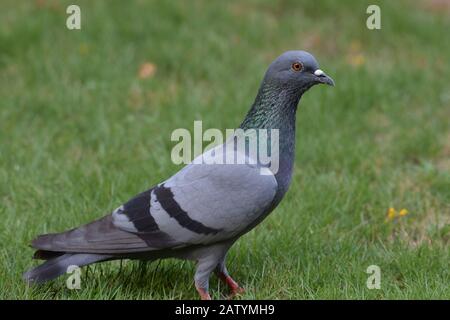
81,132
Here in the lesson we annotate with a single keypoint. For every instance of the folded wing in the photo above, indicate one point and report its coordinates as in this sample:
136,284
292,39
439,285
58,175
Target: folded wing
201,204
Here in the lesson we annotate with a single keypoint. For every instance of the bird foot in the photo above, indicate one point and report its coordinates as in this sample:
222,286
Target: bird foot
204,295
235,289
236,292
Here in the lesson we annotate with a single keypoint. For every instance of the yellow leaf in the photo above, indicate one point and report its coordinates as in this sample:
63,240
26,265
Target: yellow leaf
84,48
356,59
147,70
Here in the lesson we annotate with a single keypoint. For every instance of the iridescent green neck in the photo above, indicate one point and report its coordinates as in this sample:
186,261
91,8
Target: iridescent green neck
275,108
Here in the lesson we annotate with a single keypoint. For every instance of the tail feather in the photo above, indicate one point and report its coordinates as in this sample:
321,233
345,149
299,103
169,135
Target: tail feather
57,266
100,237
94,242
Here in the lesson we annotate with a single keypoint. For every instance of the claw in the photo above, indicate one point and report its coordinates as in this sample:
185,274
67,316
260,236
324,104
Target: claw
235,289
236,292
204,295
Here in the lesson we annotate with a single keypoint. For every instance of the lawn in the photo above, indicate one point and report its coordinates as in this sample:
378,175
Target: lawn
86,117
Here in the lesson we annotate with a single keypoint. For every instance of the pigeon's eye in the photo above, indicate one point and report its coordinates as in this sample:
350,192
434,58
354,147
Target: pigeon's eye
297,66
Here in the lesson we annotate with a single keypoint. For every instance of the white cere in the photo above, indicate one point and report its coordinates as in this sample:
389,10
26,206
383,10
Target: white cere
318,72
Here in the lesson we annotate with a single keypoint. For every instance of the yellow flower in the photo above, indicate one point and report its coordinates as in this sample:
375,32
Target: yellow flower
391,214
403,212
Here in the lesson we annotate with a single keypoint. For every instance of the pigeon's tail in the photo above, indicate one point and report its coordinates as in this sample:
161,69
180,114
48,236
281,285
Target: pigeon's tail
94,242
59,265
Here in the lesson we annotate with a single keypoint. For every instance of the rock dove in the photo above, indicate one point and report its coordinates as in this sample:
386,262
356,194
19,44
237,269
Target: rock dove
199,212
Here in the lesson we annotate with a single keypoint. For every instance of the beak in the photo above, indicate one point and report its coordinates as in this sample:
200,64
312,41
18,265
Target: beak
323,78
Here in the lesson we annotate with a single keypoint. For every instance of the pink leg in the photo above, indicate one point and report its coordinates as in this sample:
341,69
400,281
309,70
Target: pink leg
235,289
204,295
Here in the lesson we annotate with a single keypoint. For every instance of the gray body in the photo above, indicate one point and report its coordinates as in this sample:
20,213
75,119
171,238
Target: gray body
200,211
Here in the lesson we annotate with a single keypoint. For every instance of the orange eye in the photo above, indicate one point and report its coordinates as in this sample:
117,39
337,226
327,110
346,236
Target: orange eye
297,66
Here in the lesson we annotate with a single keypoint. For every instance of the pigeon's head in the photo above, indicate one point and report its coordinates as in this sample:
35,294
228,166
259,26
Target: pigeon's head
297,70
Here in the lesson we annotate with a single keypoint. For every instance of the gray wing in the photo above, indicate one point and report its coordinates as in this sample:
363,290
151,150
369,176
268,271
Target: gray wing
102,237
202,204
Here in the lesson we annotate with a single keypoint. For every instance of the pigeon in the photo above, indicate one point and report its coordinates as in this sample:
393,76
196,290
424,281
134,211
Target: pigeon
198,213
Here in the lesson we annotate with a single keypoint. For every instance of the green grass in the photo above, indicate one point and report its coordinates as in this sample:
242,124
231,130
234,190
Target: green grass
80,133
